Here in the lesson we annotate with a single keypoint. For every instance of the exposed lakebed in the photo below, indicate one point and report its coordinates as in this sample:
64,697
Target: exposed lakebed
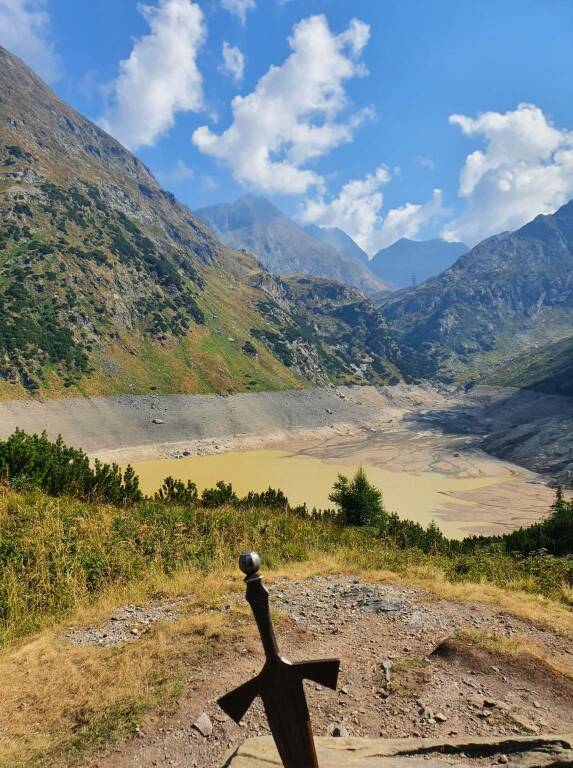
422,445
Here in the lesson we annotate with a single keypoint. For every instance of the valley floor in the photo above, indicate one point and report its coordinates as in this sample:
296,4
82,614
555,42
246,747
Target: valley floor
399,429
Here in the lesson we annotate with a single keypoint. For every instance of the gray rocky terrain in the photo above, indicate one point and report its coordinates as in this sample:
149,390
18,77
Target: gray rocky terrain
527,428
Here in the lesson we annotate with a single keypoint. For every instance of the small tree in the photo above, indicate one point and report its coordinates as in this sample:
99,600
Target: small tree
176,491
358,501
220,495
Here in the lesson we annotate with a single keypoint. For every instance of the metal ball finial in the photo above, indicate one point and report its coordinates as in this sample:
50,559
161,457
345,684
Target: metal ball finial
249,563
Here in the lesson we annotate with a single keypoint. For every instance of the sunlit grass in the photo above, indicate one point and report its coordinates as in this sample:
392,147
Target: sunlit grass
68,563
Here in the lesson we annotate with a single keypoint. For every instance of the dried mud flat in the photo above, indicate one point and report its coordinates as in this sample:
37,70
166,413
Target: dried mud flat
408,670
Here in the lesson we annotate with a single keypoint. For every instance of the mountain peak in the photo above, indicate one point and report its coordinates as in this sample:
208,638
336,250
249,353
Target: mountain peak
254,223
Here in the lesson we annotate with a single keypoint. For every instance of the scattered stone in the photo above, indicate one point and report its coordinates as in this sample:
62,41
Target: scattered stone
338,730
158,421
119,628
204,725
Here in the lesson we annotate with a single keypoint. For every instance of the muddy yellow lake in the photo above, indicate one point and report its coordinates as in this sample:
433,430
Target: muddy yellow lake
421,497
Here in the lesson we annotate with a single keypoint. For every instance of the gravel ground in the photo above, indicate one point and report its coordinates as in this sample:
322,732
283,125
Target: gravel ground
404,674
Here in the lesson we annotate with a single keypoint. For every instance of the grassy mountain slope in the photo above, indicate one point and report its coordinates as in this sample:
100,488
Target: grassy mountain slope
107,284
548,368
253,223
506,294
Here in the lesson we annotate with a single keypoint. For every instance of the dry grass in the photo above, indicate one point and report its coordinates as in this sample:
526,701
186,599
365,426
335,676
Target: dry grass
517,647
60,701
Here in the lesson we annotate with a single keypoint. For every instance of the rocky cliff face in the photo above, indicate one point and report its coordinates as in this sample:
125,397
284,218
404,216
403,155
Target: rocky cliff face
255,224
351,341
499,297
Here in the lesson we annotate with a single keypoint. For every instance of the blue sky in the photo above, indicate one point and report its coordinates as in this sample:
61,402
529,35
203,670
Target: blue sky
388,118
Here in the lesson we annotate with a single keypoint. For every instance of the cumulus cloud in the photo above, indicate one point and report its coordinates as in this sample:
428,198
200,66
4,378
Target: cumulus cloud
526,168
408,220
291,116
355,210
160,77
25,30
233,62
358,211
239,8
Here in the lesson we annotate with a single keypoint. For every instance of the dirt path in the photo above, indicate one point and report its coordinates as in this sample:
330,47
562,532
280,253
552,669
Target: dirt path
405,672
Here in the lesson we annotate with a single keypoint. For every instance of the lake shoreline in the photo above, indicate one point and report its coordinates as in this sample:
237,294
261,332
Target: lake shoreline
400,429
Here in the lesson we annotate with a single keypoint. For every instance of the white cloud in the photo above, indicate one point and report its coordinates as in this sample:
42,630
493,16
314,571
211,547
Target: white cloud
526,168
291,116
408,220
355,210
25,30
160,77
233,62
358,211
239,7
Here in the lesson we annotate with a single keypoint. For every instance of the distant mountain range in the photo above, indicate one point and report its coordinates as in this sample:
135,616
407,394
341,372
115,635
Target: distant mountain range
255,224
407,262
336,238
509,293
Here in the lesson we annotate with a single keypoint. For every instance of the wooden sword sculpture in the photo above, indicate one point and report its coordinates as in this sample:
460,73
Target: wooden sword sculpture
280,682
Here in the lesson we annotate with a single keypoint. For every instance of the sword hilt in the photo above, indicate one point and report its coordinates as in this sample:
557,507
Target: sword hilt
258,598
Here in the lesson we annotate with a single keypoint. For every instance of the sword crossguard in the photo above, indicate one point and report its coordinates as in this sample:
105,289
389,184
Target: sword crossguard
280,682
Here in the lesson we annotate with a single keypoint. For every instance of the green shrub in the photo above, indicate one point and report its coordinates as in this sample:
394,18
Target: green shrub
34,462
358,501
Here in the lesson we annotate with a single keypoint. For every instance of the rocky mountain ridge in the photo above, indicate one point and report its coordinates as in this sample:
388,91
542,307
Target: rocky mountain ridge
506,294
255,224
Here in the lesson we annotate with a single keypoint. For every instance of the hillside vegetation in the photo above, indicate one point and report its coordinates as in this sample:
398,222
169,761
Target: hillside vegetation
77,542
548,368
108,285
69,531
